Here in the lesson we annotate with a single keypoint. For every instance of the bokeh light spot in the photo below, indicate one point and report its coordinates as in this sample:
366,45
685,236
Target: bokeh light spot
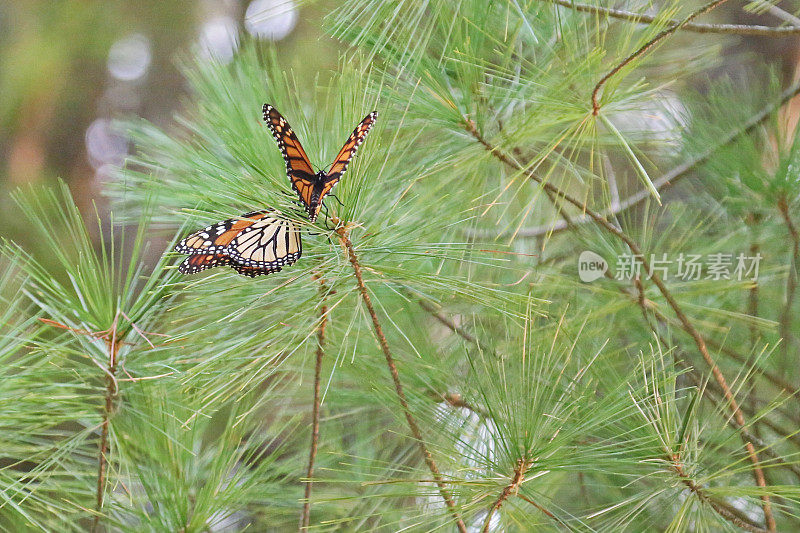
270,19
129,58
218,38
105,144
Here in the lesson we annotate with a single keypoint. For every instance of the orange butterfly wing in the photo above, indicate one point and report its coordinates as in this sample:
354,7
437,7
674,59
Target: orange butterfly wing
347,152
249,250
312,188
199,262
217,237
298,167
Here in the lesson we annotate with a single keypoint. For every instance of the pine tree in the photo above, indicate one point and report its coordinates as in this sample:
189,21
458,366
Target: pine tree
433,361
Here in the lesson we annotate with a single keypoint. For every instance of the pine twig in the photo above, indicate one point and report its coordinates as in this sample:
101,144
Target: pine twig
450,324
312,454
666,180
777,12
112,345
791,280
736,29
686,324
344,237
731,514
516,479
647,46
648,307
456,401
722,508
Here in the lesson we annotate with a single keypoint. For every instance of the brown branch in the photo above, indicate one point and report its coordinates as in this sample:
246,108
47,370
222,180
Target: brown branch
791,281
647,46
456,401
344,237
665,181
731,514
519,475
775,11
312,454
722,508
112,345
686,324
648,308
775,379
737,29
450,324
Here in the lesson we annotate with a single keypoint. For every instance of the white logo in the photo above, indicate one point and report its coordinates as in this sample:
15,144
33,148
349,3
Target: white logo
591,266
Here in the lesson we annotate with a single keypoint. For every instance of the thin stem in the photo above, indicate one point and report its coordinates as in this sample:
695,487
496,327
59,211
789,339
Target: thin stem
722,508
775,11
791,280
519,475
738,29
112,346
398,386
665,181
455,328
647,46
455,400
727,512
312,454
686,324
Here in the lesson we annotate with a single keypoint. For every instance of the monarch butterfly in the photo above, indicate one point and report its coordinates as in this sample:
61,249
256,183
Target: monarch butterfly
255,243
310,186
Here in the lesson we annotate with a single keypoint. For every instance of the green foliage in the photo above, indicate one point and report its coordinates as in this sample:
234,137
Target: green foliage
546,403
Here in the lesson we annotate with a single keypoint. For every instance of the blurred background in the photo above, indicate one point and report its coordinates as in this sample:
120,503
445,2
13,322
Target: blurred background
68,68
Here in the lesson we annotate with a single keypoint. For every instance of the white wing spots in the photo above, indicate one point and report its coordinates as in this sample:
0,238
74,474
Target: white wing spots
264,247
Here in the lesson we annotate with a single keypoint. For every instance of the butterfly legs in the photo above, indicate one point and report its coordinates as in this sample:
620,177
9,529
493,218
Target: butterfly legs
336,198
327,216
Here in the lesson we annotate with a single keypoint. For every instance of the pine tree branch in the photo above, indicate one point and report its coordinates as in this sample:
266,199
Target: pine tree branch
731,514
648,306
775,11
791,281
647,46
344,237
112,345
722,508
320,353
516,479
450,324
686,324
664,182
736,29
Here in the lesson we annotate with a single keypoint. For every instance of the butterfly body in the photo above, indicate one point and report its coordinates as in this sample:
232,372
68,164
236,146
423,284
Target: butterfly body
310,186
319,185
